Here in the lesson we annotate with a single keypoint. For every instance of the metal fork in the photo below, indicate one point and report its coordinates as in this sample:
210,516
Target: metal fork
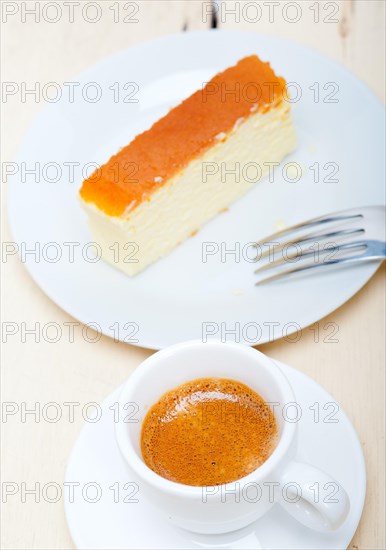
330,241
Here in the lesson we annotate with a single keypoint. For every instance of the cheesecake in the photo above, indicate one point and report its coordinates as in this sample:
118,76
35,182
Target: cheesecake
191,165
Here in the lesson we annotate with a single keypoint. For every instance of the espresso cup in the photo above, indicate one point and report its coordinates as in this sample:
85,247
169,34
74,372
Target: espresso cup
225,508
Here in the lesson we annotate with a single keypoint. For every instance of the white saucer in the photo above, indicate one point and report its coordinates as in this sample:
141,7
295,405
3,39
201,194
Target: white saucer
107,524
150,310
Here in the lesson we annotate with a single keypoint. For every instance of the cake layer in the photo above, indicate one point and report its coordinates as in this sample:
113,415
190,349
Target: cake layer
189,130
196,193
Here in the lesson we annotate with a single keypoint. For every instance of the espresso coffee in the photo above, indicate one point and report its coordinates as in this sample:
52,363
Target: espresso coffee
208,431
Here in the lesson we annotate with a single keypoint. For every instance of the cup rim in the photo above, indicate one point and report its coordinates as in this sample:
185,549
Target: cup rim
146,474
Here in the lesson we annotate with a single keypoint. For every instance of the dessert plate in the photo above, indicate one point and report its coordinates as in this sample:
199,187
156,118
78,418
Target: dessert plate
122,519
205,286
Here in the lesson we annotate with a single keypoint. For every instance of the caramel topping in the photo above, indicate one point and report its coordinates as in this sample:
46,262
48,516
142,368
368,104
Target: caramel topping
185,133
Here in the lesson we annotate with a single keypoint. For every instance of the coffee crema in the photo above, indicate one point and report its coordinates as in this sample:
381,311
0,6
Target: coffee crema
208,431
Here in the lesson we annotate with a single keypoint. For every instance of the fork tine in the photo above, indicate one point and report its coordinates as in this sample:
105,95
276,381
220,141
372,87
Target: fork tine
310,223
336,248
313,236
351,259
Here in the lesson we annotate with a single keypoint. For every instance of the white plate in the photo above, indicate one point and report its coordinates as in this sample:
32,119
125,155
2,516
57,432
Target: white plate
112,523
171,299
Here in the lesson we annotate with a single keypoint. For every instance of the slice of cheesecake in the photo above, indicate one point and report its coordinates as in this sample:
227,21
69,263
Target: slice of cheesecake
189,166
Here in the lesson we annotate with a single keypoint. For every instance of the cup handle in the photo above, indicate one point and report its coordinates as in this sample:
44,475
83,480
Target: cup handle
313,498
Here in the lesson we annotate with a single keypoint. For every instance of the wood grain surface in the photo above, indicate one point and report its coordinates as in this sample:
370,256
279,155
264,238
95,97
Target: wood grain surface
352,369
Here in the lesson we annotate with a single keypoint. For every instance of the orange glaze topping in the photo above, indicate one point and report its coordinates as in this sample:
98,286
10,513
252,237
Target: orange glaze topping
185,133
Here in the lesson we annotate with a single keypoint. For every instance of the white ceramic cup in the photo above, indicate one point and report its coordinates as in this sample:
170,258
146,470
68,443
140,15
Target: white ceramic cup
225,508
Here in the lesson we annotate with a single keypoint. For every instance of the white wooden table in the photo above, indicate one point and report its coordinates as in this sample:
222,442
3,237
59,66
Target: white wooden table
353,369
